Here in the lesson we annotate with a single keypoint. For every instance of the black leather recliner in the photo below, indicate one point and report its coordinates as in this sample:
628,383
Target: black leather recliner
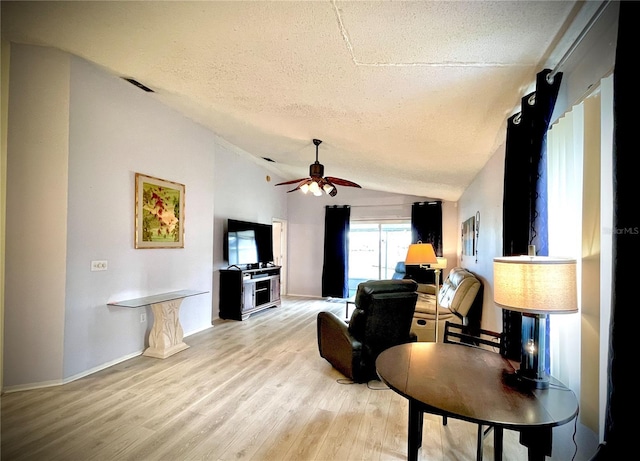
381,319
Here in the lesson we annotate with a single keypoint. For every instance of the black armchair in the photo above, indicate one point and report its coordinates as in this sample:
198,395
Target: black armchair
381,319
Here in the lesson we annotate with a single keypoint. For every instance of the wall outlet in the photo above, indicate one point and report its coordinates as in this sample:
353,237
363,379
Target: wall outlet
143,317
98,266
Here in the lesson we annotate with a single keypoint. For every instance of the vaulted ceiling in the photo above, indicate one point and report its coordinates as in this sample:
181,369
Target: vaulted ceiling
408,97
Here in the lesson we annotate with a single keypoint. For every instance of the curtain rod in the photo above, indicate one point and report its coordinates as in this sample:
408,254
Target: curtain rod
381,205
433,202
578,39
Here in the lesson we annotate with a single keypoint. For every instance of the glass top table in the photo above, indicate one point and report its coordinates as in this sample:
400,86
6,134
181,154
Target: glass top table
166,336
155,299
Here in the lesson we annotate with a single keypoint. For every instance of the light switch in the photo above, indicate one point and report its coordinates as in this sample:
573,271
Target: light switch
98,266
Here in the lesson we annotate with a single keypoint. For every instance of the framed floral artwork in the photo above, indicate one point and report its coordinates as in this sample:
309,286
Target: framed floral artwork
159,213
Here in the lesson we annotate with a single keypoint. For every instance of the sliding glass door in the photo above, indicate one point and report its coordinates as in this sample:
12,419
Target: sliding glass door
374,250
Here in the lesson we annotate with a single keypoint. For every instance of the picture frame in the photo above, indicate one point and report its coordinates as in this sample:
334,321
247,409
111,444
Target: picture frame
159,213
468,237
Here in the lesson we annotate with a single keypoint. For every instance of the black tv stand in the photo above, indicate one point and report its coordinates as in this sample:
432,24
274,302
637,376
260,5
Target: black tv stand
246,291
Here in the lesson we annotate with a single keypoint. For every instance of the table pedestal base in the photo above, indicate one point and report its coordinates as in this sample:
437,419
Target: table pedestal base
166,334
164,353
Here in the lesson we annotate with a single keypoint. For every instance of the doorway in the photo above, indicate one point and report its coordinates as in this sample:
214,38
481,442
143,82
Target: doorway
280,250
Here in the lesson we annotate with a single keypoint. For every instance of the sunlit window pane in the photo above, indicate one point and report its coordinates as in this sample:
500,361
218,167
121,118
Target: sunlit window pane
375,249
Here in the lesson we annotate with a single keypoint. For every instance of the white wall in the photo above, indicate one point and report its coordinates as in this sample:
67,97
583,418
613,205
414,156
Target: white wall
117,130
77,137
484,196
242,192
36,230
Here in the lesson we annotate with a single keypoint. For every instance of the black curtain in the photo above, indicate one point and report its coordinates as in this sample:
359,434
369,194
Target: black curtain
426,227
335,269
621,390
525,143
426,224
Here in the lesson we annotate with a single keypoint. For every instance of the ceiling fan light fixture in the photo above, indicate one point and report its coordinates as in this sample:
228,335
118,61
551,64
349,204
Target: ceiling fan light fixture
315,188
328,188
304,188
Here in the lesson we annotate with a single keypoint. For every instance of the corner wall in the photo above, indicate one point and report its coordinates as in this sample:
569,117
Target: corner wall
4,111
37,158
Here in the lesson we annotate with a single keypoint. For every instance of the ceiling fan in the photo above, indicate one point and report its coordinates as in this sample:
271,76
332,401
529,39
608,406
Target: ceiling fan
316,182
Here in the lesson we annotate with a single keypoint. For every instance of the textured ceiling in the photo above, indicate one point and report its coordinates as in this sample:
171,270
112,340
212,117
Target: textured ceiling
407,97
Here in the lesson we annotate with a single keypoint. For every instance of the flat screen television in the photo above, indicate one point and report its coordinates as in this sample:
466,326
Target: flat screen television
248,244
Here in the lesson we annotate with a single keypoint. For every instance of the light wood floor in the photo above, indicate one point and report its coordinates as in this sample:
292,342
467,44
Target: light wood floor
251,390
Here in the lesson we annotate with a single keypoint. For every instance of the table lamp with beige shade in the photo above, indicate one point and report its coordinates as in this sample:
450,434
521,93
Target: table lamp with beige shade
535,286
423,255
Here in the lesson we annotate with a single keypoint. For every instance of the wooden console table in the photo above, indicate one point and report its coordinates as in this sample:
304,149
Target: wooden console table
166,334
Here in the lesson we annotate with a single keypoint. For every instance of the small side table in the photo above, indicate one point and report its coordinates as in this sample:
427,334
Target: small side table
165,338
351,300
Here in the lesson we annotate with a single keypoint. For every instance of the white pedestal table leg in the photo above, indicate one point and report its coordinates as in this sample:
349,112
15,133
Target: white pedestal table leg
165,338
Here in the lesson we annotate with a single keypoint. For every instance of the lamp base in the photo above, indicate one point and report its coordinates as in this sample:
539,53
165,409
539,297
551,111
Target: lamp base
517,379
533,383
533,371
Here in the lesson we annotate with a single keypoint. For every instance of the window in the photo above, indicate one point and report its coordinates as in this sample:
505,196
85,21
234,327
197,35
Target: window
580,198
374,250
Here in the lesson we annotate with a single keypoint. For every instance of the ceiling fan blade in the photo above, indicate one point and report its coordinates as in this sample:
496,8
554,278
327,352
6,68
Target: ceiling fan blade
292,181
304,181
342,182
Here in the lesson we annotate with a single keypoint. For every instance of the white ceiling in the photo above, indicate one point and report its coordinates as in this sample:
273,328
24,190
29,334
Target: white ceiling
407,97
